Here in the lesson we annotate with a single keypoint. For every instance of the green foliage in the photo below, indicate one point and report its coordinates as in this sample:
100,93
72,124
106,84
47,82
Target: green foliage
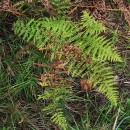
87,43
85,54
51,31
59,97
94,45
60,6
4,128
85,35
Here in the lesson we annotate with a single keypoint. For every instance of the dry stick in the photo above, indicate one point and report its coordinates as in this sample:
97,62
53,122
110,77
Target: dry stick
85,6
127,82
115,123
0,62
42,65
13,11
99,8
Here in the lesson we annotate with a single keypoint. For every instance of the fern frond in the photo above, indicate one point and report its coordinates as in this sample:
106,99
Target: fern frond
59,97
50,31
99,49
59,119
84,35
102,77
60,6
91,26
99,75
94,45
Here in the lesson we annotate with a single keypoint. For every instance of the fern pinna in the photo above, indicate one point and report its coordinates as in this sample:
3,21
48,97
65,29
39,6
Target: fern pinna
74,43
60,6
59,97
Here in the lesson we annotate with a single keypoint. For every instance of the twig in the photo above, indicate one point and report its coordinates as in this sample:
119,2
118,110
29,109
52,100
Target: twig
41,65
86,6
69,108
14,12
114,126
127,82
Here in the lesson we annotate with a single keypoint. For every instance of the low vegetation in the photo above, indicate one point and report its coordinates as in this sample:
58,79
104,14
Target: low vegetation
61,68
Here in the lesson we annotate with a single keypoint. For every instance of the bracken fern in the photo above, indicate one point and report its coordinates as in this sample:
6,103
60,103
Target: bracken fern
59,98
60,6
84,38
85,35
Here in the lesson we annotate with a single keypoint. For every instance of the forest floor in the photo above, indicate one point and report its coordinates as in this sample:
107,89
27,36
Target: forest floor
19,108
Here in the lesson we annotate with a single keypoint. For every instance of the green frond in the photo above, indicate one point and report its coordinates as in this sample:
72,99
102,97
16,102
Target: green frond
60,6
52,31
58,97
91,26
93,45
99,49
99,75
59,119
85,35
102,78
